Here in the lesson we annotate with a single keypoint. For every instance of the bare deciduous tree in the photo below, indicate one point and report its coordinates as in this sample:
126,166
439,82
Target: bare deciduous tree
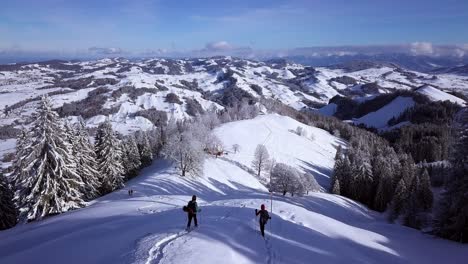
261,159
235,148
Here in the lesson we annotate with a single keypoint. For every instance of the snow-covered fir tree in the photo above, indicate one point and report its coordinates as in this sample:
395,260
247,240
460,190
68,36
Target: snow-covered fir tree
144,148
109,157
336,187
337,171
20,162
132,159
8,212
154,137
452,218
385,165
51,184
403,188
419,203
86,161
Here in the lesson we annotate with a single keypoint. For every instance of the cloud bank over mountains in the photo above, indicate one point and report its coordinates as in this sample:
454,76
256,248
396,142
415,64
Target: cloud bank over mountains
225,48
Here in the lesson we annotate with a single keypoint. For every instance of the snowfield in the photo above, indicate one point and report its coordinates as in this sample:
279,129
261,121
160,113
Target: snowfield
437,95
148,227
380,118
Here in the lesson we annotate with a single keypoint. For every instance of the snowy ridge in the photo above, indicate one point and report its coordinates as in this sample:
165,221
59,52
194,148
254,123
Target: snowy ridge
120,90
379,119
437,95
199,79
148,227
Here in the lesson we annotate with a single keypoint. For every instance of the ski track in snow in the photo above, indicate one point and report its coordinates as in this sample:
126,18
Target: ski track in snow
269,133
156,253
270,252
148,227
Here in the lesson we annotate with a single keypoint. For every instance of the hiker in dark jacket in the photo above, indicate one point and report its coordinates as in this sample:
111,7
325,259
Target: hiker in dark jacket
264,216
192,209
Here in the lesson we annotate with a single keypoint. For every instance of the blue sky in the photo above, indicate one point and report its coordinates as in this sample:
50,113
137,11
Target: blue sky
143,25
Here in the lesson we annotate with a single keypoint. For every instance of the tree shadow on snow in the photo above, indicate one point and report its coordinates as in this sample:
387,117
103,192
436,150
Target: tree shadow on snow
321,174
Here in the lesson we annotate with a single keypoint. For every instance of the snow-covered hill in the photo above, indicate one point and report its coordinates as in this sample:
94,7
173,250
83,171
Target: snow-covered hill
148,227
435,94
131,86
379,119
128,91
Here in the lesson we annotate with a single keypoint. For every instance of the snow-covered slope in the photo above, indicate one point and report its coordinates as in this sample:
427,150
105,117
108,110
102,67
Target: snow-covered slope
312,152
120,89
148,227
380,118
437,95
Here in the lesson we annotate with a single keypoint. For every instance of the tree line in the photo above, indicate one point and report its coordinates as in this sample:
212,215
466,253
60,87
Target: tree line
386,177
57,168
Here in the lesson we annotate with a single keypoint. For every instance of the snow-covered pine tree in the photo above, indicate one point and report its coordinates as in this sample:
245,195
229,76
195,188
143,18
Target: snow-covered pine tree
145,149
384,189
261,159
154,137
386,168
412,209
86,162
402,191
452,218
336,187
425,195
398,200
337,171
51,184
345,177
8,212
20,162
109,158
132,159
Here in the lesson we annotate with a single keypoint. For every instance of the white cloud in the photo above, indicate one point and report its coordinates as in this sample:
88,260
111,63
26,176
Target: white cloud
461,50
421,48
105,51
218,46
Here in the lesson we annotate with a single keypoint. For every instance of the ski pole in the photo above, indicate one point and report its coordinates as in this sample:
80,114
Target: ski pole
271,206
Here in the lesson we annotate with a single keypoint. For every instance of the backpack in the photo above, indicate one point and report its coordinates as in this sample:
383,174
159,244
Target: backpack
264,216
192,207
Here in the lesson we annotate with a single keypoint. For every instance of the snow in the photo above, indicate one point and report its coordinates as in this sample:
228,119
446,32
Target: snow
125,125
380,118
7,146
148,226
328,110
313,153
437,95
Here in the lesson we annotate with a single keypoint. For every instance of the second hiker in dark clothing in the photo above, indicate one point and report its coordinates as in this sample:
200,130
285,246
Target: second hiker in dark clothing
192,209
264,216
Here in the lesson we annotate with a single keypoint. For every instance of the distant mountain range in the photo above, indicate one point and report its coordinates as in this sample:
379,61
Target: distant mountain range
408,61
133,93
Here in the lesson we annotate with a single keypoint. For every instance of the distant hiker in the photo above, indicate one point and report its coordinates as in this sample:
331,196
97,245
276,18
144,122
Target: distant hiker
264,216
130,192
192,209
